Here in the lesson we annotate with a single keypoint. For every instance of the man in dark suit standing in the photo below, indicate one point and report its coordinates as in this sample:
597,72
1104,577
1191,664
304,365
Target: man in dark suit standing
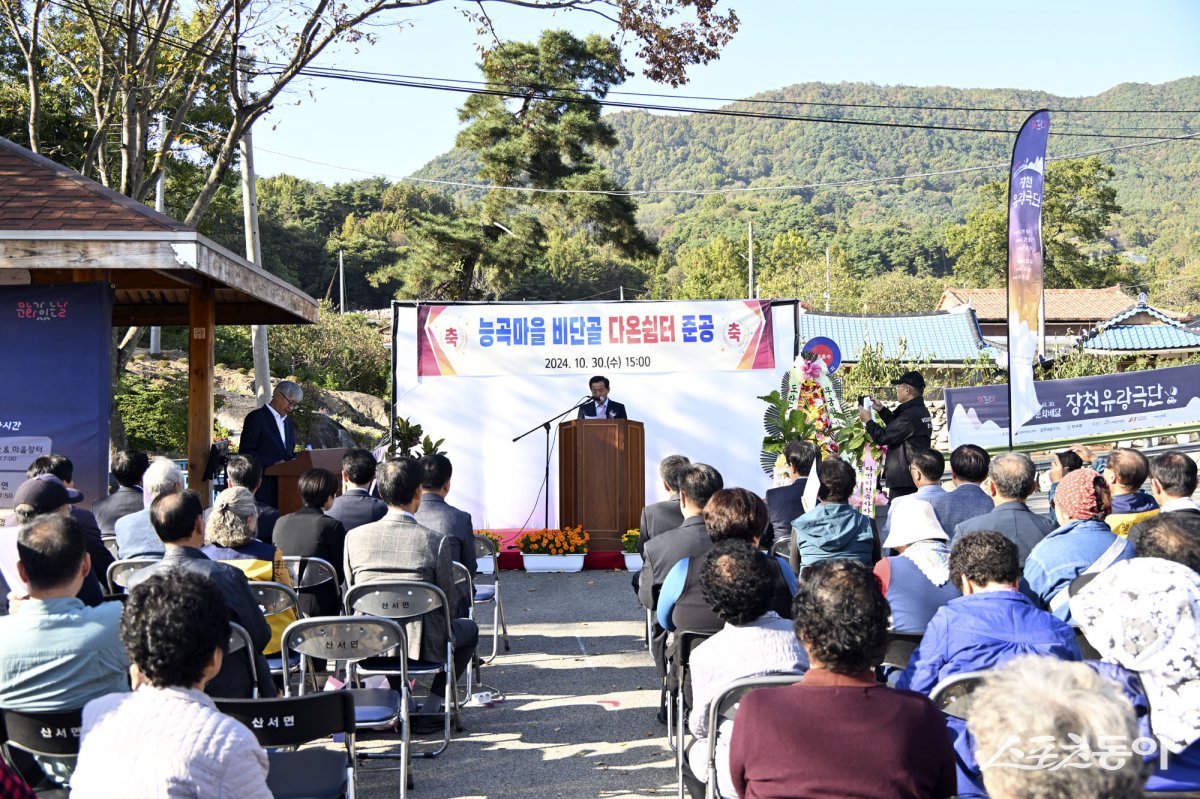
356,507
397,547
908,428
600,406
128,466
437,514
786,503
269,436
689,540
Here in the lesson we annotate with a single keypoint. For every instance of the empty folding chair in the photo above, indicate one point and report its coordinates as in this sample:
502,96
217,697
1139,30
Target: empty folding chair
295,720
465,586
352,639
119,571
52,735
488,593
407,601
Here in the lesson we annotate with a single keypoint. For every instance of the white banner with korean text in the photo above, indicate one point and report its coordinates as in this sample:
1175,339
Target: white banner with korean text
582,338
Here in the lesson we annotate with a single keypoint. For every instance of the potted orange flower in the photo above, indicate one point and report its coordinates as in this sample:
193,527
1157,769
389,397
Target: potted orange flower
629,547
485,564
554,550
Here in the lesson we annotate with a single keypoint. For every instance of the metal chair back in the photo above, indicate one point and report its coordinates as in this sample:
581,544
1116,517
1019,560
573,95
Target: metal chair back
900,647
953,695
403,600
309,571
347,638
240,641
724,707
275,598
119,571
485,548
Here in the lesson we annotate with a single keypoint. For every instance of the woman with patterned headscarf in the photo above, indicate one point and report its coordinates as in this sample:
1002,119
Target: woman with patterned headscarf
230,538
1082,544
1143,617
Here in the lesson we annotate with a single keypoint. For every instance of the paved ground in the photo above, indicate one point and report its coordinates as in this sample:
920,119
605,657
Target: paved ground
577,719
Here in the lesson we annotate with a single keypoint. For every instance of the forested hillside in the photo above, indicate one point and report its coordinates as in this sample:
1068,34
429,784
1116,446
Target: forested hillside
900,224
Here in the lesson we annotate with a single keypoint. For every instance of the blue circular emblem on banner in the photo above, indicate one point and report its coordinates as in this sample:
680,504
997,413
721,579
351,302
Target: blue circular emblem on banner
827,350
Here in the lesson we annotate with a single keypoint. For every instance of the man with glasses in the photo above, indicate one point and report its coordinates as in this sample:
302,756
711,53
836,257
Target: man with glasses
270,436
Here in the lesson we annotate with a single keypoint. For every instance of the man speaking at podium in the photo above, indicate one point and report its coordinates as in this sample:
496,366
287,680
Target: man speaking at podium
601,407
270,436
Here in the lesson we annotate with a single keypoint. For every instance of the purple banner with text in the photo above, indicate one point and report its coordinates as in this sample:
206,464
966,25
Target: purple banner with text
1117,406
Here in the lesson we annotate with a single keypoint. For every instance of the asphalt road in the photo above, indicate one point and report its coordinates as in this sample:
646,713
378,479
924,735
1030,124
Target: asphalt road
577,717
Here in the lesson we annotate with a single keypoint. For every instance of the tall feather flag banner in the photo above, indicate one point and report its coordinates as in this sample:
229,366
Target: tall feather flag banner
1026,266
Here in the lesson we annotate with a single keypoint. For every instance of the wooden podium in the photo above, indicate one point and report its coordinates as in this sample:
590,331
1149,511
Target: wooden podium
288,474
601,478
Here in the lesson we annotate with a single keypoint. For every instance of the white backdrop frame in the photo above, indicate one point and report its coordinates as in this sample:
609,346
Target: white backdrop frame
711,417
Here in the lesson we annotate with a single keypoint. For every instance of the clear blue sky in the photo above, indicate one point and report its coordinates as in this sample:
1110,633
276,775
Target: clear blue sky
1067,47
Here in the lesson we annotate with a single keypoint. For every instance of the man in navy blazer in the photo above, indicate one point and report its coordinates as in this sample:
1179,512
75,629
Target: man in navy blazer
600,406
270,436
786,503
356,507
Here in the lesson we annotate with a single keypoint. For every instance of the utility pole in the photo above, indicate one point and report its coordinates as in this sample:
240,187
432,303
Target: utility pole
160,204
342,281
826,280
258,333
750,260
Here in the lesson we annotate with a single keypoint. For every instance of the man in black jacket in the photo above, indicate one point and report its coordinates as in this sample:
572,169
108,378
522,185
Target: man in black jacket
908,428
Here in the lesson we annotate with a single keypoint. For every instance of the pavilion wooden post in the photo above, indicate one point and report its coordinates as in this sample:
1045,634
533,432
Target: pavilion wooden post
202,319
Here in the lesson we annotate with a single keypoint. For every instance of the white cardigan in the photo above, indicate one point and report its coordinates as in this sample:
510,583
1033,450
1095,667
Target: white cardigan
166,742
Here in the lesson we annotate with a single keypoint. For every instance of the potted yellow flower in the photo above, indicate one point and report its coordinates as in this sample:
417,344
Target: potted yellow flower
629,546
554,550
485,564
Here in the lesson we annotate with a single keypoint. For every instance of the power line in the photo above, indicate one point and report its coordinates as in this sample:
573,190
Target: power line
520,91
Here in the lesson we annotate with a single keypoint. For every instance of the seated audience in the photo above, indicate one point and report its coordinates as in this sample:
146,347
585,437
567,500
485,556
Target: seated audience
44,495
785,503
1013,479
135,533
1061,464
440,516
356,507
916,581
1171,536
658,517
833,529
1172,483
838,732
167,738
969,467
55,652
178,520
398,548
926,469
61,467
128,466
1036,706
244,471
697,484
991,623
1083,544
231,539
1143,617
732,514
738,583
311,532
1126,473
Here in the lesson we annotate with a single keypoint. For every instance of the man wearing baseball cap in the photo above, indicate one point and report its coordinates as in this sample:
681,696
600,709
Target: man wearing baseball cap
905,429
46,494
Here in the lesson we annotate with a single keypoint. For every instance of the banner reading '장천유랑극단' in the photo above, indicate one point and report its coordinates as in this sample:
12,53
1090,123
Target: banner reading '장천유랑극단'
585,338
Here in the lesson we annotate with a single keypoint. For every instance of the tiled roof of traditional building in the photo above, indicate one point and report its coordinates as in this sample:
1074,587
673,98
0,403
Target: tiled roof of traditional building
1062,305
940,337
